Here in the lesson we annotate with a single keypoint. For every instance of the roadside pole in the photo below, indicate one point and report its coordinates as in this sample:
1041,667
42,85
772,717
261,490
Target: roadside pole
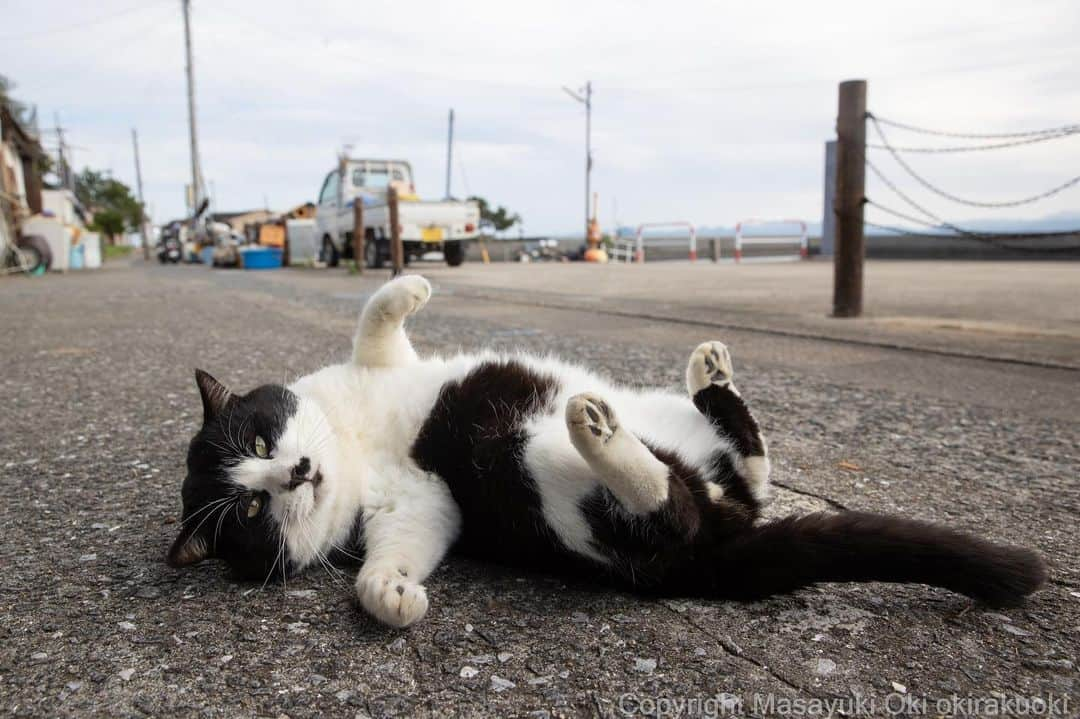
358,234
397,254
850,194
142,205
828,219
449,152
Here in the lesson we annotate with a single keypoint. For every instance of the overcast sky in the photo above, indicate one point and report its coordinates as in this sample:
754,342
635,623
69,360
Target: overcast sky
703,111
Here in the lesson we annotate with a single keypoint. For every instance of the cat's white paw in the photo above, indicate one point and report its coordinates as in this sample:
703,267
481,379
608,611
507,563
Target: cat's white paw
709,364
621,462
590,420
391,598
402,297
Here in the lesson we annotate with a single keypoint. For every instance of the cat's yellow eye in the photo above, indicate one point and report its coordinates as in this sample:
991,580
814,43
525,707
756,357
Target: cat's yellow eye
254,506
260,448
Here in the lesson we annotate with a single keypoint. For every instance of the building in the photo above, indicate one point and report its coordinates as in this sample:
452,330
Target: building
20,182
238,220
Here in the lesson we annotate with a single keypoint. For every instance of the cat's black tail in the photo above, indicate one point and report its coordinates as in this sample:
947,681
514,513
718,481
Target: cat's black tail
797,551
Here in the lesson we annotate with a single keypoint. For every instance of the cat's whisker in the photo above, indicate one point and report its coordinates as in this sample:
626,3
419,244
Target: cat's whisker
210,506
221,517
284,569
220,503
333,572
346,552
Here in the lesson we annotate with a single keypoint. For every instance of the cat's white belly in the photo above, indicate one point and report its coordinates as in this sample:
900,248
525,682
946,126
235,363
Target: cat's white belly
401,398
672,422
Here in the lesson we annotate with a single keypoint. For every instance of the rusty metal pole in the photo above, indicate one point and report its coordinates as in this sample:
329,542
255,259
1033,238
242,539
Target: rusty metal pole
397,254
358,234
850,196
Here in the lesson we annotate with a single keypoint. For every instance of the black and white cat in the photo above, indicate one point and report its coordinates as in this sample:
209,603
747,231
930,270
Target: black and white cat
533,462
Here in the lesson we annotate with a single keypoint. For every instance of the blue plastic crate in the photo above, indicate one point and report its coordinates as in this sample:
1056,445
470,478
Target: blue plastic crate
261,258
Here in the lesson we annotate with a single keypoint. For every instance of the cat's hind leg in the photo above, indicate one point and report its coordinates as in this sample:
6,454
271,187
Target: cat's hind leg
709,381
380,339
641,483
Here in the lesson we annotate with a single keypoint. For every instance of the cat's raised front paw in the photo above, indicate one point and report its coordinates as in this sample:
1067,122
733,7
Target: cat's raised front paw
402,297
709,364
391,598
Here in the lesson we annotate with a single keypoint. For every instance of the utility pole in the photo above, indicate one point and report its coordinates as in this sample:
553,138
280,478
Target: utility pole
850,196
63,169
196,171
449,151
586,100
142,206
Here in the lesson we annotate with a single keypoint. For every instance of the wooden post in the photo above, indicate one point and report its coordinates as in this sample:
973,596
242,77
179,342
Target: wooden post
850,195
397,254
358,234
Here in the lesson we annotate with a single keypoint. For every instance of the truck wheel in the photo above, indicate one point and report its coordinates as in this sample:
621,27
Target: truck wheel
372,256
454,252
328,253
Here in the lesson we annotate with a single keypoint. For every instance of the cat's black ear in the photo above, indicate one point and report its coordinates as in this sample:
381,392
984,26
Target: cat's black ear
188,549
215,396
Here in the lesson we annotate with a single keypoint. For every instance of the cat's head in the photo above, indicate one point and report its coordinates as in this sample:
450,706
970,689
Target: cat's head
258,478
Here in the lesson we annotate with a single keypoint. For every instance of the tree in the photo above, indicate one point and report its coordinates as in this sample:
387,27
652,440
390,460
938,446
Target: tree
23,113
115,209
26,116
499,218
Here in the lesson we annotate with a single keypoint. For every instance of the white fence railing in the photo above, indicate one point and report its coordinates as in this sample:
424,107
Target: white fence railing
634,251
799,238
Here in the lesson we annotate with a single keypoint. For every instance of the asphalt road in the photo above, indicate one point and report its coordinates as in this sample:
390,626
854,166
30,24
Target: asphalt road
100,404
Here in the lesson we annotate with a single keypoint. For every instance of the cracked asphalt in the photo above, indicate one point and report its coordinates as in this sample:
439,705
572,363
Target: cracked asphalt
100,402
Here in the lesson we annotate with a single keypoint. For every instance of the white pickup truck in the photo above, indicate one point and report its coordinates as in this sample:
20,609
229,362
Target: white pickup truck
444,225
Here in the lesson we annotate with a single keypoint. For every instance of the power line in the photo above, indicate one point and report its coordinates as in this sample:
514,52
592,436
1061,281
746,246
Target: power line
963,201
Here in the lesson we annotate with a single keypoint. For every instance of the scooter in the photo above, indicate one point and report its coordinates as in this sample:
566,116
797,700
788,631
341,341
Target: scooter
170,249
